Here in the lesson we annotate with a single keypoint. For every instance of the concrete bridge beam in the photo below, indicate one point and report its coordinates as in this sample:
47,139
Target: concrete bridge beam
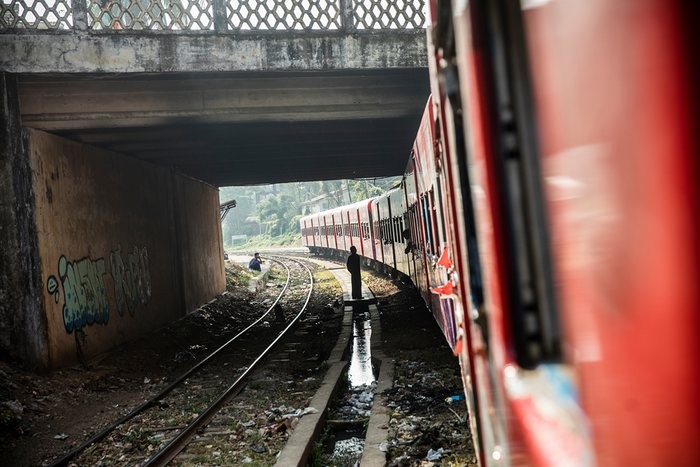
157,53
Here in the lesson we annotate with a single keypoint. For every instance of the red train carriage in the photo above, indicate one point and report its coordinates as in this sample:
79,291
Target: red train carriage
549,216
569,124
336,230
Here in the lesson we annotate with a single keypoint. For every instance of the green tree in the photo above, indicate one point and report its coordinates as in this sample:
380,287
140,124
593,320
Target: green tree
276,209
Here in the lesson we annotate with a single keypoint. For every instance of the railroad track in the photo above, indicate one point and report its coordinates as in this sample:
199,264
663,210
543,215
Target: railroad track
189,402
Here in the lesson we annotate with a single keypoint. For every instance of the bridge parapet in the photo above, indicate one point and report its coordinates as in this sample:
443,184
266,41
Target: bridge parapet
192,36
218,16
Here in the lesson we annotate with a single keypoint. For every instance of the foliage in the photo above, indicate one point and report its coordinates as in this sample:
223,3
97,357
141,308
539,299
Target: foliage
260,241
271,212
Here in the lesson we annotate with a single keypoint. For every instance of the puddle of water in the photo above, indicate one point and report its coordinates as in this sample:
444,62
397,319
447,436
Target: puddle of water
344,446
360,372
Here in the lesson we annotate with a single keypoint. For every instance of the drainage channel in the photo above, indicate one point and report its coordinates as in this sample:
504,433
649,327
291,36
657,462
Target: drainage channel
343,442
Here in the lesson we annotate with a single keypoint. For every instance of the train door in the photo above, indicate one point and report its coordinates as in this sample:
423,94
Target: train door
342,232
313,232
379,232
349,227
335,231
325,232
415,235
513,229
407,238
360,233
372,231
391,236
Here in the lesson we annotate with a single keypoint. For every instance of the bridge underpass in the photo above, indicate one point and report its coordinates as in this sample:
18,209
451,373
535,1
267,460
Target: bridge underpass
239,128
114,143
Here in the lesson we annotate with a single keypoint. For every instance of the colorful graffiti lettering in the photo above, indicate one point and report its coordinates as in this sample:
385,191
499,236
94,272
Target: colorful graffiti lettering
132,279
83,291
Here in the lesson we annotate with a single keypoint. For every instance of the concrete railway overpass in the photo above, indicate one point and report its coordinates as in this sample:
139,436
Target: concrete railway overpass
119,120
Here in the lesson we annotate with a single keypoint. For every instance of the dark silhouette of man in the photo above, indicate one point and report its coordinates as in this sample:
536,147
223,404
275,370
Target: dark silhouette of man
354,268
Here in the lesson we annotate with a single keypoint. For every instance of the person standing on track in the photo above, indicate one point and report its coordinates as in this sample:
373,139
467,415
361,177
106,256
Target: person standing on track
353,266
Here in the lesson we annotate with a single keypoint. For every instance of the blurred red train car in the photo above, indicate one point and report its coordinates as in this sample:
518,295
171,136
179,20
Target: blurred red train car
549,216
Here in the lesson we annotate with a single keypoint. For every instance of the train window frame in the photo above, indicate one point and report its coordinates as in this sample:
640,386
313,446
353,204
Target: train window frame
533,315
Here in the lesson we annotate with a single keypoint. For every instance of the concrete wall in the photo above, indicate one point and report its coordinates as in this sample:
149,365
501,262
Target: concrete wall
200,240
121,249
137,51
22,324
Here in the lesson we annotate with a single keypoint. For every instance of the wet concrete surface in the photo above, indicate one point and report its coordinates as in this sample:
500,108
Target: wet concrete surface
344,443
361,372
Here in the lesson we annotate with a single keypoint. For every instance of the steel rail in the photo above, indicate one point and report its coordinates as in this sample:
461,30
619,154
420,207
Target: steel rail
181,440
153,401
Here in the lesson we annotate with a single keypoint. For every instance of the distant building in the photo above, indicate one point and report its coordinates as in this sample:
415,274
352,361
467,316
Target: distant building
315,205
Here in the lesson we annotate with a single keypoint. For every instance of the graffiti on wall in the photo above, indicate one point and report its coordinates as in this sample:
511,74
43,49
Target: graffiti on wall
85,300
132,281
84,294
